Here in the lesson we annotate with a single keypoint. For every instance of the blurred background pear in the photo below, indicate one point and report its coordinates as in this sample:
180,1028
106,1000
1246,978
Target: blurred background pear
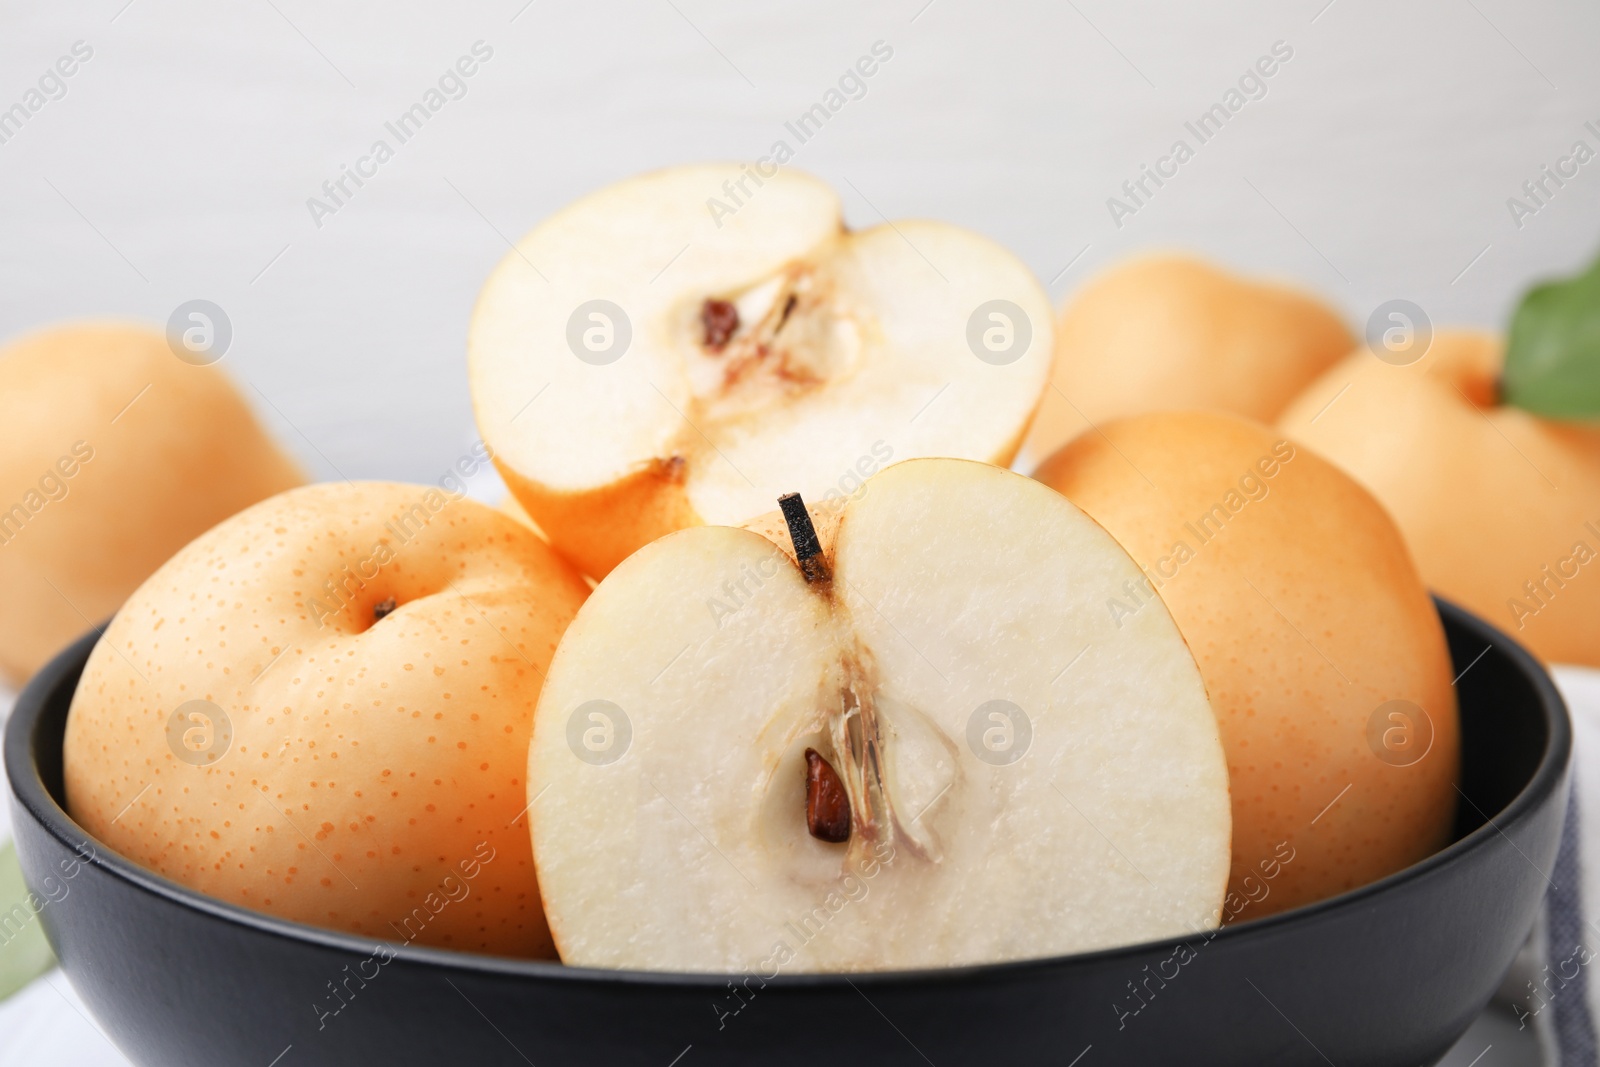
116,454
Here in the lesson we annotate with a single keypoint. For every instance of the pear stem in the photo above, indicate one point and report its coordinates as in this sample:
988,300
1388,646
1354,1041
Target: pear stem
807,547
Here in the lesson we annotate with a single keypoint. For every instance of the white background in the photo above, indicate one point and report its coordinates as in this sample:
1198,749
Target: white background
178,166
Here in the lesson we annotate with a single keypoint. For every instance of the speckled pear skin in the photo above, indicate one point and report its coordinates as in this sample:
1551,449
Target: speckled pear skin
374,778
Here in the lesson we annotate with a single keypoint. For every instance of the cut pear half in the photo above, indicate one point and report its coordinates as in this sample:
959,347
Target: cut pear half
641,363
1025,777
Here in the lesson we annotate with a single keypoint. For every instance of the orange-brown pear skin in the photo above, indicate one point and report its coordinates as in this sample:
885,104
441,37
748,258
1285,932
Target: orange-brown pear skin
159,451
1305,614
1168,331
375,781
1501,508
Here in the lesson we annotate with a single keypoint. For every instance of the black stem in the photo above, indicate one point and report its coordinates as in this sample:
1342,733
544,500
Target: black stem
807,547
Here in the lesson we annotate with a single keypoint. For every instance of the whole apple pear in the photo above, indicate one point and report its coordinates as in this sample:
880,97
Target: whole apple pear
320,709
1325,660
116,454
1171,331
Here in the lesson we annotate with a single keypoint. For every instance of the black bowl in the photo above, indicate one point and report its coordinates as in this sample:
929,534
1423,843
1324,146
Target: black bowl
1391,973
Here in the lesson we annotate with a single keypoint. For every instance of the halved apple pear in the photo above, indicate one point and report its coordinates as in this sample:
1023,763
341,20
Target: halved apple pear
640,364
1023,776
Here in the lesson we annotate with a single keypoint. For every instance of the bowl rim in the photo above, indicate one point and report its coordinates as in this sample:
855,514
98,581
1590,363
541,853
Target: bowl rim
31,795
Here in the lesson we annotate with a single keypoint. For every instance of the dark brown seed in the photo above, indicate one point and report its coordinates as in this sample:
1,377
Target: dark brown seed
827,805
720,320
382,608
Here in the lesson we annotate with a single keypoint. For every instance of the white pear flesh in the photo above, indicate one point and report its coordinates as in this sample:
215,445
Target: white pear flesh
852,347
954,584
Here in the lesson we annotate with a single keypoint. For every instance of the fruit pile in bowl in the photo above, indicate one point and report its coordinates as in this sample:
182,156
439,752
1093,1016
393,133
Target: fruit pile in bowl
770,673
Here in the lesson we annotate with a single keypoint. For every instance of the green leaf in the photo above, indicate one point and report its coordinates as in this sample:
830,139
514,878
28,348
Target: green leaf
24,952
1553,354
